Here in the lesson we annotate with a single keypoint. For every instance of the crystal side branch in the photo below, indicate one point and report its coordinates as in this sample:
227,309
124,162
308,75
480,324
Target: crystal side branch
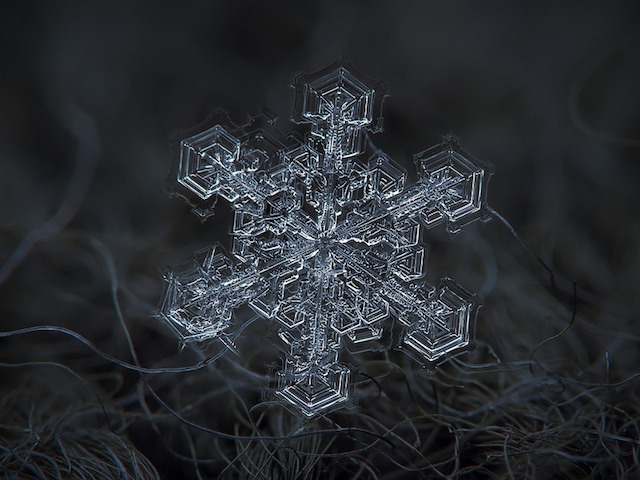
326,238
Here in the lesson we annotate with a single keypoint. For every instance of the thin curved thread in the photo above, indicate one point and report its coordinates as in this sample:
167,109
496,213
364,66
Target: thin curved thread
552,277
573,98
241,438
73,374
527,247
560,333
106,356
83,127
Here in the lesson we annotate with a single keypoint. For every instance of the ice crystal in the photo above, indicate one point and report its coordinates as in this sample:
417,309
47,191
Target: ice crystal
326,237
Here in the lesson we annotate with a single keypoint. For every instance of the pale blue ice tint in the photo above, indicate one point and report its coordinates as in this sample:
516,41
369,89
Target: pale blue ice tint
326,238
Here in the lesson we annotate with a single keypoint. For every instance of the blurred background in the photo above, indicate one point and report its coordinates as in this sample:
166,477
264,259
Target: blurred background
91,94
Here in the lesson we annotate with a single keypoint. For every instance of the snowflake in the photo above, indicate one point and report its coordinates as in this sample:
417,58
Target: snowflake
326,238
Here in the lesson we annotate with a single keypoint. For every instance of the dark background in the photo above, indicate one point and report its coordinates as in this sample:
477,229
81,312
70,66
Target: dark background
91,94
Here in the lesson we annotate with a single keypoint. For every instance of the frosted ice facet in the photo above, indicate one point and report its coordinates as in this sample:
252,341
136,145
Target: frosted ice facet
460,197
444,326
314,390
326,238
203,159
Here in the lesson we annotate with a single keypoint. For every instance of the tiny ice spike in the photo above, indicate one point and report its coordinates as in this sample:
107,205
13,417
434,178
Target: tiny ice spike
326,237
